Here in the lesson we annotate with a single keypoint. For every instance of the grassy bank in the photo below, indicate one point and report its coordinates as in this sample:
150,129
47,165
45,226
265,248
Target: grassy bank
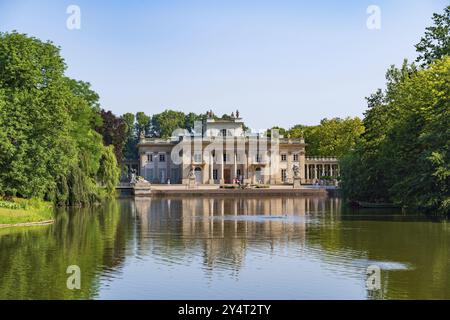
16,211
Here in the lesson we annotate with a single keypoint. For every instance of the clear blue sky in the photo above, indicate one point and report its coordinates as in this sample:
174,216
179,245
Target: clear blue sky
278,62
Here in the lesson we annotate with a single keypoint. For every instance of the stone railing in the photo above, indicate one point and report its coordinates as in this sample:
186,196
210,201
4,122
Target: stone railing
321,159
157,141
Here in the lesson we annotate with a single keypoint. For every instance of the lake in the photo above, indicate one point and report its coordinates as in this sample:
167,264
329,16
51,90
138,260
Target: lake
228,248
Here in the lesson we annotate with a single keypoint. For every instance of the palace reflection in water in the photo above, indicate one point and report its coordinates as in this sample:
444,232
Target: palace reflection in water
222,226
229,248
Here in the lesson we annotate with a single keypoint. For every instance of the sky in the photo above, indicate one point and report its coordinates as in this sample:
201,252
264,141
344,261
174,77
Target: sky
278,62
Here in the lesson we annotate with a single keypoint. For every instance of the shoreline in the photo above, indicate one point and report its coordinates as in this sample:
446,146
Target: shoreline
27,224
21,212
207,190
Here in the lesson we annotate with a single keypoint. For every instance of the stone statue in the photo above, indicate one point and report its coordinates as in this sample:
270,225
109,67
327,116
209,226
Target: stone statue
297,182
191,174
296,170
133,179
237,114
142,135
232,114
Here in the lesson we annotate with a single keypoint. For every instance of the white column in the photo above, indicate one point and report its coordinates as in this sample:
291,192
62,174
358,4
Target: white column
222,180
331,170
235,166
289,167
315,171
246,167
211,168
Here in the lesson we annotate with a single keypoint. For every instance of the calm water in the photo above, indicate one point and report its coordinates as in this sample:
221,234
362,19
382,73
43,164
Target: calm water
227,248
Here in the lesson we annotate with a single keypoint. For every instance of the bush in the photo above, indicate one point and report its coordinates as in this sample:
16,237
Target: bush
10,205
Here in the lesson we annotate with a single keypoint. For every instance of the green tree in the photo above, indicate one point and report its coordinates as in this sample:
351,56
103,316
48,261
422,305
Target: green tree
333,137
109,173
435,44
403,156
49,147
35,120
190,120
130,150
164,123
143,123
129,119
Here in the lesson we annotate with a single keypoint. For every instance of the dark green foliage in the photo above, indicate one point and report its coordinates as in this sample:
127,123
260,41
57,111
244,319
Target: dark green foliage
436,42
404,154
114,132
403,157
130,150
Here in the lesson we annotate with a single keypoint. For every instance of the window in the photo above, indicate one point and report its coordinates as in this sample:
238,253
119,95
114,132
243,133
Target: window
149,158
224,132
238,173
225,157
283,157
162,175
197,157
149,174
215,174
283,175
296,157
258,158
174,176
162,158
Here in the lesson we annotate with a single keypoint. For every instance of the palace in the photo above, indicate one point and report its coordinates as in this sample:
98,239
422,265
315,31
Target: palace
221,152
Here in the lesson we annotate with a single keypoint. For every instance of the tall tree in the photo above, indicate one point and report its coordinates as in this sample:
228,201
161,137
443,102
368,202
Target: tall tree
114,132
143,123
48,146
109,172
130,150
332,137
435,44
403,156
34,118
164,123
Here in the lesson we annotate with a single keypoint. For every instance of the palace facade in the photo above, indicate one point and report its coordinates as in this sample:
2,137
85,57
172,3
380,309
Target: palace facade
221,152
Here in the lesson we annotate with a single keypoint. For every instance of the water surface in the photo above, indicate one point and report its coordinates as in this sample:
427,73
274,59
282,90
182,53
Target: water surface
228,248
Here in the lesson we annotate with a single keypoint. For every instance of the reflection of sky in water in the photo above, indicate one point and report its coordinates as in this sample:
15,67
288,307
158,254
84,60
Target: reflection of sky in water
226,248
299,249
261,276
272,263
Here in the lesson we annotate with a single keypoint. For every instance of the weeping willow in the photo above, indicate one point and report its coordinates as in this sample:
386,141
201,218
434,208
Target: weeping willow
109,172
